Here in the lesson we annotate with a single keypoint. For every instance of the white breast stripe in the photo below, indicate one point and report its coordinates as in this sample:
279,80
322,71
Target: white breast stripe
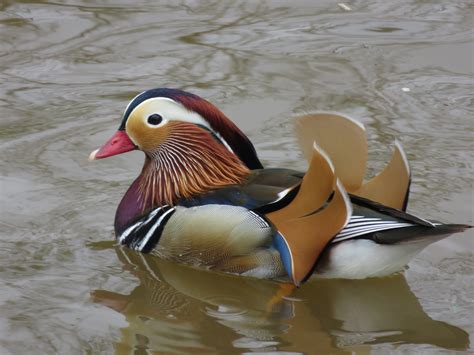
152,229
127,231
137,225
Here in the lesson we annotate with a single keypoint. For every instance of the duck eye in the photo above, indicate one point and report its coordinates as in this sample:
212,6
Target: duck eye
155,119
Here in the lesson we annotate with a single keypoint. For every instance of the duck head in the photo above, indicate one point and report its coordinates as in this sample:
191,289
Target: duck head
190,146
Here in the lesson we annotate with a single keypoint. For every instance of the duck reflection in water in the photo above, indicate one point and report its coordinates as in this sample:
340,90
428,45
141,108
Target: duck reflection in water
173,306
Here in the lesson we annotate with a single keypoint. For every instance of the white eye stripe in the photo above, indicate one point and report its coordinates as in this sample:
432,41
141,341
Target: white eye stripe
170,110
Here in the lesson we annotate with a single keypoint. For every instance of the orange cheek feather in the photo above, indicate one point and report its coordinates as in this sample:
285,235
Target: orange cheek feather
147,138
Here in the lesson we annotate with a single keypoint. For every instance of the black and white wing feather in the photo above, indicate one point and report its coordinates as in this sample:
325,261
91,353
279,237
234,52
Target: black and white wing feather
361,225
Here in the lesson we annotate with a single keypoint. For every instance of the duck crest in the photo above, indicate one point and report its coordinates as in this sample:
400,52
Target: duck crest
189,162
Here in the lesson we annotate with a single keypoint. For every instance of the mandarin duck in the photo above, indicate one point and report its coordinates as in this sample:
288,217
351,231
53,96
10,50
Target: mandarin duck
204,199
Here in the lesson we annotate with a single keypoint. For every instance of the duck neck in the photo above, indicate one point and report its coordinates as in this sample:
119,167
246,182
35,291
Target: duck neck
191,161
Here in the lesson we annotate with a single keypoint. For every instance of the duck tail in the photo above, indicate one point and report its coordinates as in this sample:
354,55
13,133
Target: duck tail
415,234
445,230
455,228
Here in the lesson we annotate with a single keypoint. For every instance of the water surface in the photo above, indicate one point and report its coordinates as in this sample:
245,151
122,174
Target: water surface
69,67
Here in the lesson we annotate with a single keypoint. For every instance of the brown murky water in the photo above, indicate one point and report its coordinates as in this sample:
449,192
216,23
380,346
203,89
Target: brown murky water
67,71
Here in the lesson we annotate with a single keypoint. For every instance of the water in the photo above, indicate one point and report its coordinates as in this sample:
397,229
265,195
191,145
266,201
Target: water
67,71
